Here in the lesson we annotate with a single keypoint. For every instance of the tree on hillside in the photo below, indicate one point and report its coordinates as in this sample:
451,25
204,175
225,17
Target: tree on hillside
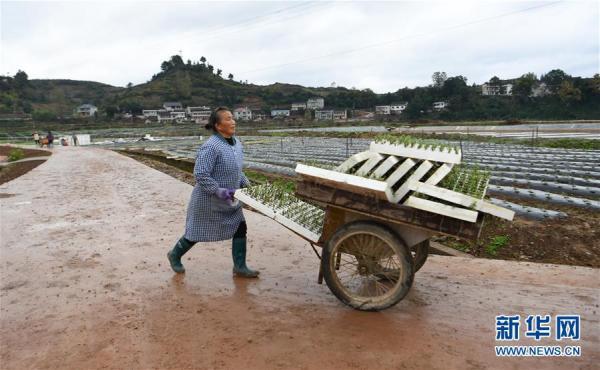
132,106
494,81
554,79
219,72
524,84
568,93
176,61
203,60
210,68
165,66
129,85
419,104
596,83
111,110
455,86
21,80
230,77
439,78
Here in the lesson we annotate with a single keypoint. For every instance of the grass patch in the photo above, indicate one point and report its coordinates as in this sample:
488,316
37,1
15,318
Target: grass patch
256,177
259,178
568,143
288,186
496,243
15,155
463,247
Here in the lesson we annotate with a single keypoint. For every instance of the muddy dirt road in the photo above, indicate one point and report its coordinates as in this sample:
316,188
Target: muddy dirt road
85,285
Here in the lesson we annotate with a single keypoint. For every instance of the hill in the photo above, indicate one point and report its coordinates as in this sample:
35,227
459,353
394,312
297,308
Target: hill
199,83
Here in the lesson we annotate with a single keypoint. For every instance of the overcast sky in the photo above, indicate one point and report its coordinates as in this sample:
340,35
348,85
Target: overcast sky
379,45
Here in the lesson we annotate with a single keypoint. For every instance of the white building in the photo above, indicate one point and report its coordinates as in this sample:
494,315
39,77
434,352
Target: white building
190,110
398,108
242,113
164,116
315,103
439,105
259,115
340,114
280,113
298,106
178,115
149,113
383,109
200,115
505,89
86,110
171,105
323,115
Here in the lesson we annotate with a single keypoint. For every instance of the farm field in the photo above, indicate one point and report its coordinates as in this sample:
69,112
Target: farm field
555,193
110,297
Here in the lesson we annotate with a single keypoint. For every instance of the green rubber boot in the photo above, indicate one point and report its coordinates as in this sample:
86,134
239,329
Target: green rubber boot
183,245
238,251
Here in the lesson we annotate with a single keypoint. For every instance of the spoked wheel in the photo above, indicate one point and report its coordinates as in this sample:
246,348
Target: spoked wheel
367,266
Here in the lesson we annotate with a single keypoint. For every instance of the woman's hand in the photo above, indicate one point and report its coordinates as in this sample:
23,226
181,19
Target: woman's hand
225,194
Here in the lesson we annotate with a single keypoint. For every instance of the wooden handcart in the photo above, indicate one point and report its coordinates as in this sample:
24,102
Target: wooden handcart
375,232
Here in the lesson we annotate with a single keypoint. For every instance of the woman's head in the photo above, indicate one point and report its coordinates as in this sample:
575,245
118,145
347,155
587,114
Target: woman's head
221,121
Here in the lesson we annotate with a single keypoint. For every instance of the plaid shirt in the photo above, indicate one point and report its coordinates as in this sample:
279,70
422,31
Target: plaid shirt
218,165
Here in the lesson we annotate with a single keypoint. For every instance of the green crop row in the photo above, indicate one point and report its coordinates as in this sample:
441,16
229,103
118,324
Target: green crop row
418,143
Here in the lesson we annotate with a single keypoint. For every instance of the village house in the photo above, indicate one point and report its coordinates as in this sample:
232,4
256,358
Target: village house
439,105
321,115
199,116
242,114
178,115
164,116
190,110
280,113
172,106
298,106
315,103
150,113
86,110
259,115
383,109
340,115
398,108
505,89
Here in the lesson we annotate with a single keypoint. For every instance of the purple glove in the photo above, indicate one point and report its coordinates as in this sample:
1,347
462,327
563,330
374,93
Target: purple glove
225,194
231,193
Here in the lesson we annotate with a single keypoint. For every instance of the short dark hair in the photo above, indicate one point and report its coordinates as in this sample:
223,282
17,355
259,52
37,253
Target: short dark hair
214,118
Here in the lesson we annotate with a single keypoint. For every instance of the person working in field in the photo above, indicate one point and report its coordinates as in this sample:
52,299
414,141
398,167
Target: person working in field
212,213
50,139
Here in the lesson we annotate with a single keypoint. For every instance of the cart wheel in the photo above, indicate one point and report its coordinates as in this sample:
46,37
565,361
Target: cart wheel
420,253
375,269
